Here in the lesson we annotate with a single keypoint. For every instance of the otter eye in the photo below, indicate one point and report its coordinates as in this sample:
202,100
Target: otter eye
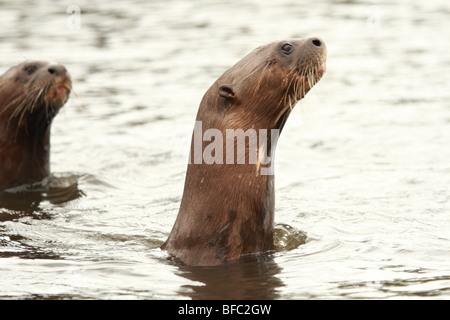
30,69
287,48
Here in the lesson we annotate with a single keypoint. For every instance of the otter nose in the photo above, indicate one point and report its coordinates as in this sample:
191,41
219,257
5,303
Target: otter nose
316,42
56,69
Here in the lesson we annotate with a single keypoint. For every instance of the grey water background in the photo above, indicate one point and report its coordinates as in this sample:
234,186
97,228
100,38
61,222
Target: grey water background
362,166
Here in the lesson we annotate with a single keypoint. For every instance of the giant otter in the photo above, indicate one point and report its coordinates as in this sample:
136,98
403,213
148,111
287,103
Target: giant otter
227,208
31,94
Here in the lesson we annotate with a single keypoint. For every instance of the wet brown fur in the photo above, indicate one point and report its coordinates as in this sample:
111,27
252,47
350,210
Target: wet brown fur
227,210
31,95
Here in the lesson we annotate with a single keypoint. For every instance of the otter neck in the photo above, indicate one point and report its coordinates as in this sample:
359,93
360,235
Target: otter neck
232,206
25,151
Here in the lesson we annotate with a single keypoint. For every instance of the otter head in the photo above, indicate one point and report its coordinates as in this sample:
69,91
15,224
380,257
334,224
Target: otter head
31,94
33,89
262,88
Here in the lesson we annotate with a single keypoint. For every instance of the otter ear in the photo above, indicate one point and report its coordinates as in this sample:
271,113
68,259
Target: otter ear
227,92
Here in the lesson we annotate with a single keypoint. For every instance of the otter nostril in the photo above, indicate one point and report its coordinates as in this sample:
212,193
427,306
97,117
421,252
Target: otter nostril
56,69
317,42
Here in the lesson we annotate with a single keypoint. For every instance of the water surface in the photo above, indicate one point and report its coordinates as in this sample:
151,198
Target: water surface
362,165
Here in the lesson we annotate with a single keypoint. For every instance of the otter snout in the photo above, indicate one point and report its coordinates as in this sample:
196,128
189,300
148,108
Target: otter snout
316,44
56,69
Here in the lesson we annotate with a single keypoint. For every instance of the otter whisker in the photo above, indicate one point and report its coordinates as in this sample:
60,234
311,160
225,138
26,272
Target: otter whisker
297,87
28,107
286,93
310,82
284,99
35,100
303,87
258,83
290,103
258,68
21,106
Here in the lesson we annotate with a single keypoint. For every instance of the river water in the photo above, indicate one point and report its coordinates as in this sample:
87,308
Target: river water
362,165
